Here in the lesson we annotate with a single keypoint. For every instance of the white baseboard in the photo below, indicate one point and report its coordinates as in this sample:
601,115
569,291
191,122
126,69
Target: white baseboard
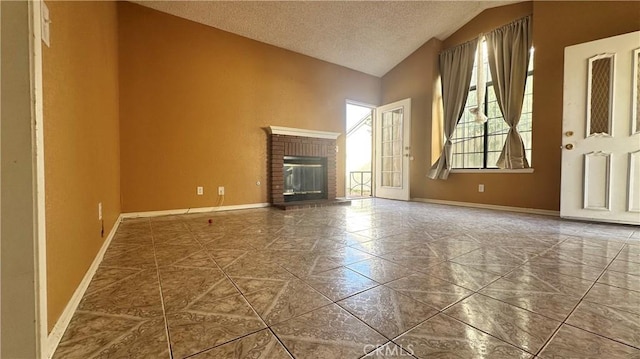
193,210
58,330
53,339
544,212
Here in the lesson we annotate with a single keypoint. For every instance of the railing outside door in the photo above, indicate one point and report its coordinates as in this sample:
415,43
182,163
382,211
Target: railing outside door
359,184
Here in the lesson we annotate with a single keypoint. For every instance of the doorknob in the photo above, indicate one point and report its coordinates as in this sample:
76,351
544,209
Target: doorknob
569,133
569,146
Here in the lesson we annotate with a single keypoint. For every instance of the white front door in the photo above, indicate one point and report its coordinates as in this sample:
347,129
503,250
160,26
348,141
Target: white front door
600,132
392,140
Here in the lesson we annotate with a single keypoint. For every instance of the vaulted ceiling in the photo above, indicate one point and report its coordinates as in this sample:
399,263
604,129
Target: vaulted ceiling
368,36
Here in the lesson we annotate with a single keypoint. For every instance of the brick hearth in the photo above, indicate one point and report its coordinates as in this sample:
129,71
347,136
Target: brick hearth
285,145
281,145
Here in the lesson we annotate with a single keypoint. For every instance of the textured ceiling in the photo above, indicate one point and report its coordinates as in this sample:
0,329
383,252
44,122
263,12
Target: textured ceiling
371,37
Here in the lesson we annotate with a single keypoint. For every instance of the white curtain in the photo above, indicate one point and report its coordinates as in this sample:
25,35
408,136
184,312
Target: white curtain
481,84
508,51
456,67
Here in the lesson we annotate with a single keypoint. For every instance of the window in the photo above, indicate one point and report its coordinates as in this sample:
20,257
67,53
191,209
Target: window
479,145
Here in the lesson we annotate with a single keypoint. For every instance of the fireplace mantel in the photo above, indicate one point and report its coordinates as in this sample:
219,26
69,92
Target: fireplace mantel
295,142
300,132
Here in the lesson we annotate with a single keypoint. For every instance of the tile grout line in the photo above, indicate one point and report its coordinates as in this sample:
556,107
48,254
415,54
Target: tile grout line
596,282
349,296
546,316
511,271
492,335
379,284
477,291
223,343
270,327
504,275
579,302
203,248
98,352
603,336
560,322
392,340
164,312
439,311
281,342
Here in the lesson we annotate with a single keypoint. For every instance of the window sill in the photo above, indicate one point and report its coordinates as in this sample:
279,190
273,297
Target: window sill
492,170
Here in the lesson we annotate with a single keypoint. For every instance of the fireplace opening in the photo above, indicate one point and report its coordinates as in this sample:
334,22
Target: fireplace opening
305,178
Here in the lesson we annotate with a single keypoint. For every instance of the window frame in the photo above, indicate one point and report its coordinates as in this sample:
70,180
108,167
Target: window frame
485,135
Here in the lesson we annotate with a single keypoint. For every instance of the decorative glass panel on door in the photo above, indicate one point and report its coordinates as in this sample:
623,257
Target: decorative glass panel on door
600,95
391,155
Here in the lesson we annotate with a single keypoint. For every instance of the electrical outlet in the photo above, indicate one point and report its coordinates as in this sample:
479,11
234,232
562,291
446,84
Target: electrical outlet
480,188
221,191
99,211
200,190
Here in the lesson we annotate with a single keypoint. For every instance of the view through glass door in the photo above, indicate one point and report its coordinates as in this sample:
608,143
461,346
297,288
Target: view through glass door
359,154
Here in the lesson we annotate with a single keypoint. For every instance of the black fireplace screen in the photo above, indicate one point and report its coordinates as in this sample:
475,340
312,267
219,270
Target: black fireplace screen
305,178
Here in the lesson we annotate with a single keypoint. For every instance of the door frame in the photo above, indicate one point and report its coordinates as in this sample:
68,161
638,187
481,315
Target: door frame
27,334
576,133
406,172
37,94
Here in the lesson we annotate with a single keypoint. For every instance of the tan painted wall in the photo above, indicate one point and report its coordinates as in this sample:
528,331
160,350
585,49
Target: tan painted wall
415,78
555,25
487,21
80,82
580,22
194,100
189,103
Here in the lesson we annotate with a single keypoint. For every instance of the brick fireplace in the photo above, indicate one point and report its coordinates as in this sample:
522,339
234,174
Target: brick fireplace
302,148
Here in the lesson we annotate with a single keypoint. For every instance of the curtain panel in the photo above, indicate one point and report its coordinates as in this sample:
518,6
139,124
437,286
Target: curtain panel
456,67
508,52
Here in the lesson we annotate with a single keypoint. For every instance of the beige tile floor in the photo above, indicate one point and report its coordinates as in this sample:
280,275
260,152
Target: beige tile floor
379,278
